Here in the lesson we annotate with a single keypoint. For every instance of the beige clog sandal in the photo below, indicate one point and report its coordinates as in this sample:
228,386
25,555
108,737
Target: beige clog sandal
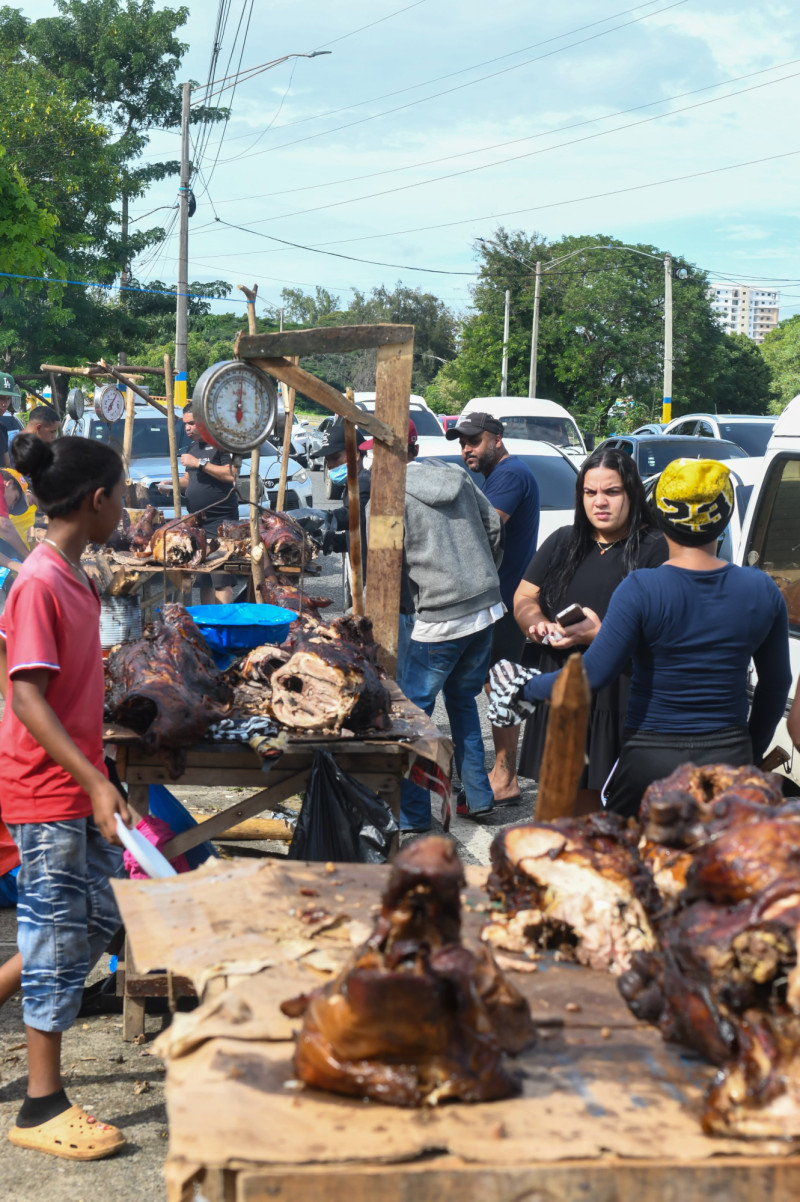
75,1135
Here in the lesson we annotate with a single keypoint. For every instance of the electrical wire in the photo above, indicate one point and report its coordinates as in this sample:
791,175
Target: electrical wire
209,175
601,133
459,87
371,25
526,138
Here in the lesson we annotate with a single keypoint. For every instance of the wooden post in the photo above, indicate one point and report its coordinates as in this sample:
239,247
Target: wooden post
127,442
388,495
565,743
173,443
354,515
257,549
287,438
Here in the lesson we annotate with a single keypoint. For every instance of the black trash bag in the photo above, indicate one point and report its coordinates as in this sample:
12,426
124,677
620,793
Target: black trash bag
341,819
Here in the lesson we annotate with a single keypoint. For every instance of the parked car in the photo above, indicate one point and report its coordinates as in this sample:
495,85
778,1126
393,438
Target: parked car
750,433
150,458
650,428
771,541
652,452
431,439
555,472
448,420
533,418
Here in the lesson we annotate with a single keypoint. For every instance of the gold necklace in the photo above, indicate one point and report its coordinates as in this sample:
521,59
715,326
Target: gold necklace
603,547
75,566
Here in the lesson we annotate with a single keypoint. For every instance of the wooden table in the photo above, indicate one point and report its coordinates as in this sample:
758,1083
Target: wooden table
608,1113
379,762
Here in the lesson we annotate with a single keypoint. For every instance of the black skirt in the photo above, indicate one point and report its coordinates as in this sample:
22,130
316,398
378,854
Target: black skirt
603,738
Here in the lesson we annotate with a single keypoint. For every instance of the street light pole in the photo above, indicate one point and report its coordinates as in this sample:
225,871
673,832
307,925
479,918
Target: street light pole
535,330
666,403
504,375
182,305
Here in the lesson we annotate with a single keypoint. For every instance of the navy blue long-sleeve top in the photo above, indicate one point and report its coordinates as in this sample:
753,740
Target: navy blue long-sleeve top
691,636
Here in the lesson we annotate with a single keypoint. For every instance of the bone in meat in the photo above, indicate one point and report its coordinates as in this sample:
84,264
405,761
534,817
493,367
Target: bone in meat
326,686
166,686
181,543
576,884
288,597
415,1018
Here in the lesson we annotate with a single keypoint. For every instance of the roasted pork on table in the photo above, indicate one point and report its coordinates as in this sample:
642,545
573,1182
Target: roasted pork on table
141,532
180,543
575,884
724,980
289,597
166,686
285,541
415,1018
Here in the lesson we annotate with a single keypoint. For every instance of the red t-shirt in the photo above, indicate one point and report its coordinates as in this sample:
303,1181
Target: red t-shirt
51,621
9,856
3,506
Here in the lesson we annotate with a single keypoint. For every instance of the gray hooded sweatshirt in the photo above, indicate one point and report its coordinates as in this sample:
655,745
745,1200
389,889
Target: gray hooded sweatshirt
453,542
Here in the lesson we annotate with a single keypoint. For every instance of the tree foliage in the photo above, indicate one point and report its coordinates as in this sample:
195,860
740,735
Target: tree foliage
781,352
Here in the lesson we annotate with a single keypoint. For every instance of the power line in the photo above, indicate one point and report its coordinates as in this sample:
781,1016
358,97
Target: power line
515,141
379,21
209,176
115,287
461,71
602,133
458,87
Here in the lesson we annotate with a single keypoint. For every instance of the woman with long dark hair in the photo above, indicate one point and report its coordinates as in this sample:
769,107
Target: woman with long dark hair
581,565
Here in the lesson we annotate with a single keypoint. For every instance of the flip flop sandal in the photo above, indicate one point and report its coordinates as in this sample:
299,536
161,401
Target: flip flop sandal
74,1134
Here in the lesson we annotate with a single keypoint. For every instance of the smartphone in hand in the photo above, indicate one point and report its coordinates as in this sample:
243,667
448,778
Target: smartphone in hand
571,616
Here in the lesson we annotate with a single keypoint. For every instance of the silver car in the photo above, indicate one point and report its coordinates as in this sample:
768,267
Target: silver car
150,458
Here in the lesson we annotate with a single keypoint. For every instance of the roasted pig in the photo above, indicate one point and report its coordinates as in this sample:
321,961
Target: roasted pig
289,597
285,541
326,686
415,1018
181,543
724,980
575,884
166,686
143,529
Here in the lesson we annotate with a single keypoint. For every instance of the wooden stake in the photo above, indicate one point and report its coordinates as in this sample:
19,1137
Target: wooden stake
257,549
127,442
173,442
287,439
354,515
388,496
565,743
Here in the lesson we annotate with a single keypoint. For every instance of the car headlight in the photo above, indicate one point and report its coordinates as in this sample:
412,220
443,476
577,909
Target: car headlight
301,476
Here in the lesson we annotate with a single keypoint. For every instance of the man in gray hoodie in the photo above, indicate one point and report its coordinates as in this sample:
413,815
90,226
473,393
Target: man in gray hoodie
452,548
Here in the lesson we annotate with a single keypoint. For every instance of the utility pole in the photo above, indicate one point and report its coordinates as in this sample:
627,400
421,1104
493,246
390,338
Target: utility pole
182,307
535,330
666,404
504,376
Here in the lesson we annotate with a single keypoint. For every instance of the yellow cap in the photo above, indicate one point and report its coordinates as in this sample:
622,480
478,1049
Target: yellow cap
694,500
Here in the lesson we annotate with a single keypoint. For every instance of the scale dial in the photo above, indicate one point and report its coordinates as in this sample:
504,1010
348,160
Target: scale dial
235,405
109,404
76,403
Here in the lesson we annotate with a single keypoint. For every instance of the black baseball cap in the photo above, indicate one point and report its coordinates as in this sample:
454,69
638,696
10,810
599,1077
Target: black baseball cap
333,441
473,424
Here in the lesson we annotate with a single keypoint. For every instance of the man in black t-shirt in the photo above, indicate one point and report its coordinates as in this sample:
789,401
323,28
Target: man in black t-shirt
208,481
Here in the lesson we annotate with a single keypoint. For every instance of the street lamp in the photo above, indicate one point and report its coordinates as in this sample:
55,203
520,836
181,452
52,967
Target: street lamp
666,403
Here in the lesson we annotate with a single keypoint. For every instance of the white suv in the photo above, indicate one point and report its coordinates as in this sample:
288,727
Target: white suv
750,433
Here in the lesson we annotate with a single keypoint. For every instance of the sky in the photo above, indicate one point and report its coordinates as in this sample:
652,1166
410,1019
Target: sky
433,122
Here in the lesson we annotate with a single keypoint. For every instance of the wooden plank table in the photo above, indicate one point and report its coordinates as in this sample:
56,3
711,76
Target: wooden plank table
380,762
608,1112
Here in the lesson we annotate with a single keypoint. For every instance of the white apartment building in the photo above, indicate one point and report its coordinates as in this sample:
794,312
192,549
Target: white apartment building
743,309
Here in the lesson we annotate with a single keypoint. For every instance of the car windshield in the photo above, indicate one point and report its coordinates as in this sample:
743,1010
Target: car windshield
556,430
149,436
426,422
751,437
555,476
656,454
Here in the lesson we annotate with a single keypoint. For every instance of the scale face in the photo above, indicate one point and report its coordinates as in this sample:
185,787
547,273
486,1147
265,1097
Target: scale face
235,405
76,403
109,405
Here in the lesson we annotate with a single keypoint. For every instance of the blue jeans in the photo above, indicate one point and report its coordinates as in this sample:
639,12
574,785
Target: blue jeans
456,668
66,914
404,629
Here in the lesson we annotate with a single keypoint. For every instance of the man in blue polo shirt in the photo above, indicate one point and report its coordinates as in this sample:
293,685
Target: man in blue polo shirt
511,488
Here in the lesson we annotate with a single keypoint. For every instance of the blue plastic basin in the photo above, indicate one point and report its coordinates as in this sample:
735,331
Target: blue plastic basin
235,628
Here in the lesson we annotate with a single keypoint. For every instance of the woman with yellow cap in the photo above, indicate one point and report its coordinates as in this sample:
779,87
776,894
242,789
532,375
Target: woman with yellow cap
21,509
691,628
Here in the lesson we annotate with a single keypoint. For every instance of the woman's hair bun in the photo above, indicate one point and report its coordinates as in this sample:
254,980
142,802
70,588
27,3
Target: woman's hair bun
31,455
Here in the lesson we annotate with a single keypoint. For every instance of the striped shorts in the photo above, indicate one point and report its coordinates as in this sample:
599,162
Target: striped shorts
66,914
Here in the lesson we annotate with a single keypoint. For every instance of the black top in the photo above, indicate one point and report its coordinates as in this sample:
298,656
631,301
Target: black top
203,489
3,443
596,577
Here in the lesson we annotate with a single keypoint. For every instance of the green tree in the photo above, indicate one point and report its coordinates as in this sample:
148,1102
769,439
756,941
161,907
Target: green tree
781,352
742,382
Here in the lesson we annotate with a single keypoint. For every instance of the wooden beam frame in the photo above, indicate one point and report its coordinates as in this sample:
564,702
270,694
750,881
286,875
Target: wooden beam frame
388,426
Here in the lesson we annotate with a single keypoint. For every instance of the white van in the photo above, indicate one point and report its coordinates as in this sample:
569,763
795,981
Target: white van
771,538
533,418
